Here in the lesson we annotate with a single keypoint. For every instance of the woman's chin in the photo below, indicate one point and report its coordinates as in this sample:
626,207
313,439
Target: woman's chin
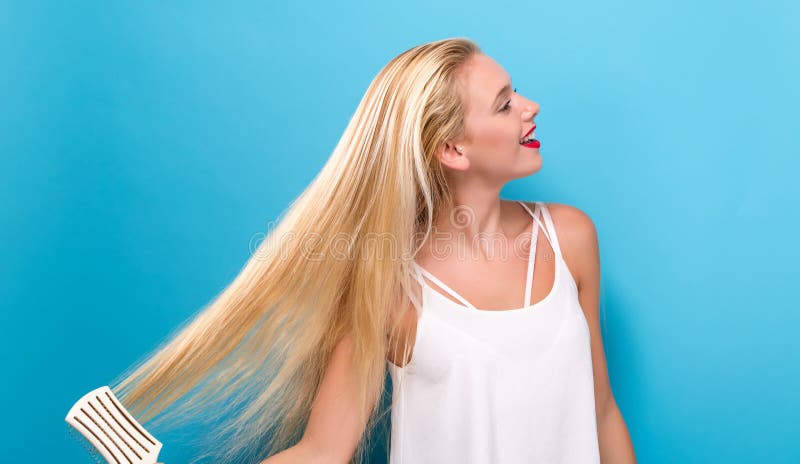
535,164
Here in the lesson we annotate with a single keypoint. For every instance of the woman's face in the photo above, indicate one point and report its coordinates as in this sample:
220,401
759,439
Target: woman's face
497,118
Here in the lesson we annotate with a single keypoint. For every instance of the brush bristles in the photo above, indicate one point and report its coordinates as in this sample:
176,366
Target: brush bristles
111,430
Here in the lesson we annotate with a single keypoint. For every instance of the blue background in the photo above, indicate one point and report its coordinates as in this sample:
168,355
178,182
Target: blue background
144,146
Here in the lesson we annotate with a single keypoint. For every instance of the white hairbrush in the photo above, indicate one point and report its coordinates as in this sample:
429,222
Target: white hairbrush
111,431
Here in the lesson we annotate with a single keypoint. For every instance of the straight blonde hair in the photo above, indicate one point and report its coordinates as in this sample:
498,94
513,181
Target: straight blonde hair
251,361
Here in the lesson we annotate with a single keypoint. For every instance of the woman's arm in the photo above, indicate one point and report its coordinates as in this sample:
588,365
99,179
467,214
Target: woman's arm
297,454
615,443
580,241
334,427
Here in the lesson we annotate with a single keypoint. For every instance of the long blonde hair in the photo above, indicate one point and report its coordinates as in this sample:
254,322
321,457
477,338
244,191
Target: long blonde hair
252,359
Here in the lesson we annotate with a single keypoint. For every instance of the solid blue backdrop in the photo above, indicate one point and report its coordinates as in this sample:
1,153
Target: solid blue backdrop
145,145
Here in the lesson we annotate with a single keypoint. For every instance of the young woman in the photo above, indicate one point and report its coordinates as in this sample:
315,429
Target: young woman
383,263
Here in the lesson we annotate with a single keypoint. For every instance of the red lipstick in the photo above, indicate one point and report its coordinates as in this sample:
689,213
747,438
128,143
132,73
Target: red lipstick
533,143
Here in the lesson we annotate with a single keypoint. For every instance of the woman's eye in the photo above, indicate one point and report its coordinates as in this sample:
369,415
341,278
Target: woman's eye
507,106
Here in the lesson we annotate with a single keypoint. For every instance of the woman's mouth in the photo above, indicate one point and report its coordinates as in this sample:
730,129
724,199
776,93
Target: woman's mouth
529,140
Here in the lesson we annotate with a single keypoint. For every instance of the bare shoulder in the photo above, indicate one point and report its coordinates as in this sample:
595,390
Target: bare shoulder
572,219
577,237
568,220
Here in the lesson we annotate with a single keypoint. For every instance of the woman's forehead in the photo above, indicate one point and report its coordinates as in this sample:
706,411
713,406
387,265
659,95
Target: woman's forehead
484,80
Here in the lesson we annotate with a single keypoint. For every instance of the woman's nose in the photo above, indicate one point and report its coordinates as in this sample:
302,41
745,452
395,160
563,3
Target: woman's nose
531,110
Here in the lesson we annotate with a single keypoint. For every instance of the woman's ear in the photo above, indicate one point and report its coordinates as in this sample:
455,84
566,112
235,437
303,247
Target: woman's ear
452,156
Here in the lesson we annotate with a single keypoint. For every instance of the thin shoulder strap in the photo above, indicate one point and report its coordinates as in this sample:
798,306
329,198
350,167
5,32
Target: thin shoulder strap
536,220
443,286
537,224
539,206
532,254
550,228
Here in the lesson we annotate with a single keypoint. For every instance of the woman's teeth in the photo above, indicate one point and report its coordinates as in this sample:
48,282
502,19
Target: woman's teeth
529,139
531,142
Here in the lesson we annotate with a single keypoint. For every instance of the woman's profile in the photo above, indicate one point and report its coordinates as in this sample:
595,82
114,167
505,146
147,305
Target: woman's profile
401,258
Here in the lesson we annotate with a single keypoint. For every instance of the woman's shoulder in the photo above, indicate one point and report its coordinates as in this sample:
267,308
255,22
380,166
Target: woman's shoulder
576,233
567,216
567,219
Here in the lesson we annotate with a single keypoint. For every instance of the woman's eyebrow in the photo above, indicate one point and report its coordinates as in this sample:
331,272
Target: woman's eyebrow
502,91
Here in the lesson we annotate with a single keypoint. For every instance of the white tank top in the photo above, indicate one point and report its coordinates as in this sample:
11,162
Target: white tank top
498,386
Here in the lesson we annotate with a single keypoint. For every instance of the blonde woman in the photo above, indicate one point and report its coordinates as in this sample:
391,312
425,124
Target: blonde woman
401,257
